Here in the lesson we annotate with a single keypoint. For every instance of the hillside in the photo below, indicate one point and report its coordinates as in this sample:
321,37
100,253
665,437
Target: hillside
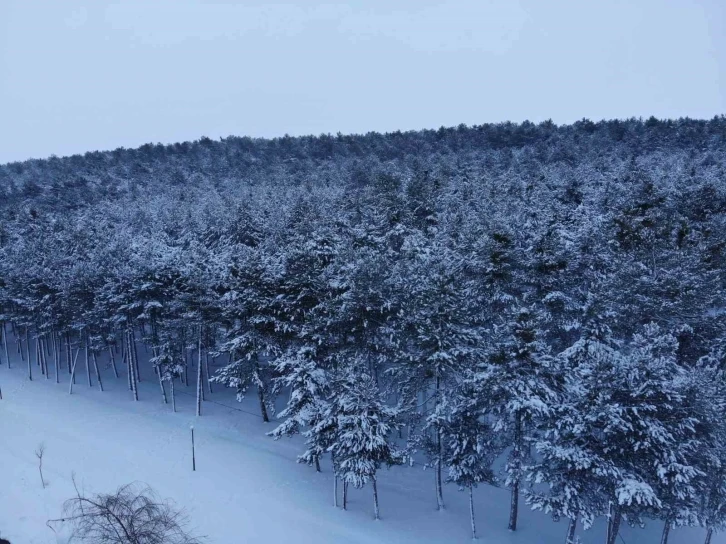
528,308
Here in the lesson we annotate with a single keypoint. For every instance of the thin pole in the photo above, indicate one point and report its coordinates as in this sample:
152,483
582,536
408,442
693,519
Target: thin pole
194,458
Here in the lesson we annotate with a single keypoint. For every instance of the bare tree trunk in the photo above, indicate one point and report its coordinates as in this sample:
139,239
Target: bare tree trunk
112,357
73,372
135,352
571,528
88,366
200,389
335,490
27,352
39,355
69,354
185,378
206,371
132,367
516,454
163,391
52,349
5,341
126,360
614,519
666,531
19,343
471,512
345,495
261,397
57,352
439,487
98,372
376,513
46,354
173,397
709,535
439,454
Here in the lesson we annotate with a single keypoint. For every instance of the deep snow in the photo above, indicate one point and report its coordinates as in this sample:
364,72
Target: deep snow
247,487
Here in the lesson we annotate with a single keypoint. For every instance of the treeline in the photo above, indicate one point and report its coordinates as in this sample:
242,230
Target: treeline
550,295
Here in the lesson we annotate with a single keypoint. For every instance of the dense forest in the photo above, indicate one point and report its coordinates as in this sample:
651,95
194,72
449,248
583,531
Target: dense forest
532,305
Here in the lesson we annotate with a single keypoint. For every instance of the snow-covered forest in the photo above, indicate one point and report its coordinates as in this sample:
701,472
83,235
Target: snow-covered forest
536,306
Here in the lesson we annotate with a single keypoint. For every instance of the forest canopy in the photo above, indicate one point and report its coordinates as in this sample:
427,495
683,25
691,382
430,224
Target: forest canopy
552,294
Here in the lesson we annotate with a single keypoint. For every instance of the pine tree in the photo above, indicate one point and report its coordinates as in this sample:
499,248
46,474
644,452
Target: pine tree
471,447
364,424
307,407
518,386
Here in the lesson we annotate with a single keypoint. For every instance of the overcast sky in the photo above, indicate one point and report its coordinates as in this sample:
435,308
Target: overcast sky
78,76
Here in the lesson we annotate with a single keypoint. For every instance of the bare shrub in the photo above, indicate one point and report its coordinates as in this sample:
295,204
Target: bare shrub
133,514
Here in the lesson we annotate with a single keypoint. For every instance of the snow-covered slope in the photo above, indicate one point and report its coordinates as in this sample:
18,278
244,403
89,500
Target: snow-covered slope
247,487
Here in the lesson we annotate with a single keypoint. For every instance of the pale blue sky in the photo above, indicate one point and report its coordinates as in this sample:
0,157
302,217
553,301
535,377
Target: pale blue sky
78,76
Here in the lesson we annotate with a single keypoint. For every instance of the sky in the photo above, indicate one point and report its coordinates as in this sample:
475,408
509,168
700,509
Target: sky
78,76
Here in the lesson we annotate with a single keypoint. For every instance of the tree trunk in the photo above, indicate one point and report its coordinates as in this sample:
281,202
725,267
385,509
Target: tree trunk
5,341
185,356
317,463
112,358
709,535
345,495
376,513
88,366
206,371
57,357
73,372
261,394
27,353
514,506
135,352
666,531
125,360
571,528
46,354
516,458
200,388
615,517
471,512
69,353
98,372
163,391
132,367
335,490
439,453
439,487
173,397
40,357
263,407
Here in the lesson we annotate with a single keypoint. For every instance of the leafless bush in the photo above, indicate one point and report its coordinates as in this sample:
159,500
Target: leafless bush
39,454
132,515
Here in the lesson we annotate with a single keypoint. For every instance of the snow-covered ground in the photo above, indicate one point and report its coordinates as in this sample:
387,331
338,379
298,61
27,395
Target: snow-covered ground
247,487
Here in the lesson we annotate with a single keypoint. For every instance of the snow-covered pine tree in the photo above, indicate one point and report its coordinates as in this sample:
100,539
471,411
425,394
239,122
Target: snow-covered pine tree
440,336
306,409
364,424
518,385
470,446
708,386
255,332
566,473
617,402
